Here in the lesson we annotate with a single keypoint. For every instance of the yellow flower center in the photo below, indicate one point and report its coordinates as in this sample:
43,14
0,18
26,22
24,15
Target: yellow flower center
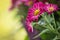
51,9
30,2
36,12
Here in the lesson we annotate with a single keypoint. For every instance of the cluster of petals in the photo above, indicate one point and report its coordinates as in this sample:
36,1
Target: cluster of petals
50,8
36,10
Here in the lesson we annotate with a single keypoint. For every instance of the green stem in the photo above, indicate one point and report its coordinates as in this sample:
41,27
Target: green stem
41,33
48,22
49,26
54,20
55,24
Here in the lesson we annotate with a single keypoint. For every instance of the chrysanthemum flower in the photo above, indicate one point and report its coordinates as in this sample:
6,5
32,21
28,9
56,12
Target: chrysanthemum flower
34,12
50,8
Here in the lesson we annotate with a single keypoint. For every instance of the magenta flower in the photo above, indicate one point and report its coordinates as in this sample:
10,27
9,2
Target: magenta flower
36,10
33,14
50,8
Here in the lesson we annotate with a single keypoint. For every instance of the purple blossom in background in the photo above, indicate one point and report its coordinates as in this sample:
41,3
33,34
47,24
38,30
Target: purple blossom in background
30,2
17,3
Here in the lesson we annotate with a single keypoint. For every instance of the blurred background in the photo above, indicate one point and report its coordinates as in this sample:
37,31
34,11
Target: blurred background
11,27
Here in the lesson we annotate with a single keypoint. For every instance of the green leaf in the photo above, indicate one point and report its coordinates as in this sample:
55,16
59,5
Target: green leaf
48,36
55,38
58,12
58,37
58,24
41,33
52,1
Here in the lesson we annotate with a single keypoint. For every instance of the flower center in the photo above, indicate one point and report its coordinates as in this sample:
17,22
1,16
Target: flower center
36,12
51,9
